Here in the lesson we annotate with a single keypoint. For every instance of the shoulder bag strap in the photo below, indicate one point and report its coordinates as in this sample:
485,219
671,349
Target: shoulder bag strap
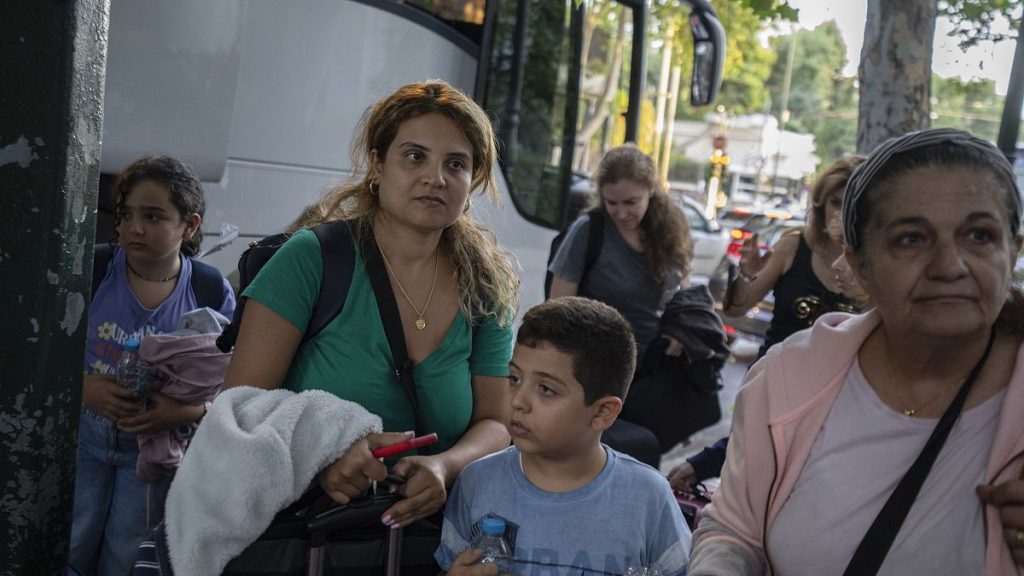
338,251
207,285
392,322
595,239
871,551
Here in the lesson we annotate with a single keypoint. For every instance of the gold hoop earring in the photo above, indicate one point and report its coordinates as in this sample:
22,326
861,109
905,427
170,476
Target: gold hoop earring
374,192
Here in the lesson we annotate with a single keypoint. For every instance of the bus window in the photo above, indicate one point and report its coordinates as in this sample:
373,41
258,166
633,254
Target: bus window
564,80
604,90
526,93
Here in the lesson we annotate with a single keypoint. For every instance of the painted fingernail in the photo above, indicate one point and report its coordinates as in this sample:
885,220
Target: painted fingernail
386,519
395,526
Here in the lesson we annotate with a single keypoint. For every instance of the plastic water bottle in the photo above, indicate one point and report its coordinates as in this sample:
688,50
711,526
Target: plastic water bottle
493,543
132,373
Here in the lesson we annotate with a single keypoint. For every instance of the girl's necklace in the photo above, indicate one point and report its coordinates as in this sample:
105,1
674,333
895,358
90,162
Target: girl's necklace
147,278
420,322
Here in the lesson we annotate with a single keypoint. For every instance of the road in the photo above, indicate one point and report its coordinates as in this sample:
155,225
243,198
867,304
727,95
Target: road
743,353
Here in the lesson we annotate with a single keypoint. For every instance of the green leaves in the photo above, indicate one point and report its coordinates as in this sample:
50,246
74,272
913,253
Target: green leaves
772,9
973,20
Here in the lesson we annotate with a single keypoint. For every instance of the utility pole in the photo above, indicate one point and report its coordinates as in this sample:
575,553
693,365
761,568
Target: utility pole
52,67
1010,123
783,108
670,121
662,95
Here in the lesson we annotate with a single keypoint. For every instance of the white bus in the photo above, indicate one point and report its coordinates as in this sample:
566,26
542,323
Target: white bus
262,98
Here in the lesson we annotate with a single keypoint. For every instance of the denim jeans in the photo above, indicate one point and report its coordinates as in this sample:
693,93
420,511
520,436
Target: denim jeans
113,511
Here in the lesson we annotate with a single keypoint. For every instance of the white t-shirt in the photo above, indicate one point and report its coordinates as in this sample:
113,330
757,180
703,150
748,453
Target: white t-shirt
861,453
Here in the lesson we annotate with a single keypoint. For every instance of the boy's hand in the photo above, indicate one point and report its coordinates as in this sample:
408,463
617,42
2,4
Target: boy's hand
465,564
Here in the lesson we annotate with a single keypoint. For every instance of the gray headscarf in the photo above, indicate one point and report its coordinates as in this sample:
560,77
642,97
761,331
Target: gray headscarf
880,157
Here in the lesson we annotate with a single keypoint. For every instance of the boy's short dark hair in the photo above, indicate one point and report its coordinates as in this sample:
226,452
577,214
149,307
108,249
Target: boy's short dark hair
597,337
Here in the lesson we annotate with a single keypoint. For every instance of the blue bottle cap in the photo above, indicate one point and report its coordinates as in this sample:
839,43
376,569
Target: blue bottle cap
131,344
493,526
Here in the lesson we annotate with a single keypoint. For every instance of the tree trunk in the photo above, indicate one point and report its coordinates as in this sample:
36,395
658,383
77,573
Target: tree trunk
895,70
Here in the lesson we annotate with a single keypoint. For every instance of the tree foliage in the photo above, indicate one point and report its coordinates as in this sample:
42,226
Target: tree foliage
821,101
973,20
973,106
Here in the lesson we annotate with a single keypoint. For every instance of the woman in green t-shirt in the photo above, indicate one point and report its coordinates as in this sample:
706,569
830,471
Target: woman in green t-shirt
420,153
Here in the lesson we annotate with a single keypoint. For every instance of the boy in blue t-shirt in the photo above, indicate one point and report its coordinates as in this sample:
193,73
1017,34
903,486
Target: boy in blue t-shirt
571,505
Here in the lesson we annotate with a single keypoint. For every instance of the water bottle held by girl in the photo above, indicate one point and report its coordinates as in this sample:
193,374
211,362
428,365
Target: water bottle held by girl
132,373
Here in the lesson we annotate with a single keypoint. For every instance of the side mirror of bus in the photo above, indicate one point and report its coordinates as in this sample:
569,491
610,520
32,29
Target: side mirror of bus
708,57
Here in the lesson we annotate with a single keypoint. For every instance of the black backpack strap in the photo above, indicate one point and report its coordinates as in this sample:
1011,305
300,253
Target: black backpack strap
871,551
337,247
102,255
595,240
207,285
392,322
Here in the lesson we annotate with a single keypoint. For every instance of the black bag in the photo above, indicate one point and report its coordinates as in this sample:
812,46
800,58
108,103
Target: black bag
315,536
634,440
337,248
595,240
673,398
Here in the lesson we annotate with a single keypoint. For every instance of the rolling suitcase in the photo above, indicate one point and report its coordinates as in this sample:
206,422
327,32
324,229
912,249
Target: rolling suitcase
316,537
320,538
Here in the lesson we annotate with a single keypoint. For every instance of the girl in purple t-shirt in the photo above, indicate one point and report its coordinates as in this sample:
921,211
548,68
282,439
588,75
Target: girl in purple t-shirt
145,290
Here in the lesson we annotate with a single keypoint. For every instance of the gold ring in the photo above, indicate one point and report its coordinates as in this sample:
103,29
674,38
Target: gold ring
1019,536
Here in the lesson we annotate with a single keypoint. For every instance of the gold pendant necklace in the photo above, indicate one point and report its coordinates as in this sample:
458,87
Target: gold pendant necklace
913,411
420,322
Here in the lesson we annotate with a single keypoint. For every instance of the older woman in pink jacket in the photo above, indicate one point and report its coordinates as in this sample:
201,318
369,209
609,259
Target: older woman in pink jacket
892,443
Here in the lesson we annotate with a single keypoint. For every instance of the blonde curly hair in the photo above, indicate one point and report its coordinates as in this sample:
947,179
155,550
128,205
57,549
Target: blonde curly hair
488,284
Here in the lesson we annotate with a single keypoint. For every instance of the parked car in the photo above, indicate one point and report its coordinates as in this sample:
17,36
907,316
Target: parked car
742,223
710,242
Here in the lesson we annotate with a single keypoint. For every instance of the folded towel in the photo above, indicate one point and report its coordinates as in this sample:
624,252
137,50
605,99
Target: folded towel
256,452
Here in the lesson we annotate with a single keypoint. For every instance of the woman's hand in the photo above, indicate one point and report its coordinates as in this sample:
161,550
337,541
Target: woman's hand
847,282
351,475
1008,498
166,414
674,348
101,393
682,478
423,491
465,564
751,259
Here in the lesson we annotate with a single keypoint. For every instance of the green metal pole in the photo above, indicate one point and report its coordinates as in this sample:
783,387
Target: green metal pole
52,65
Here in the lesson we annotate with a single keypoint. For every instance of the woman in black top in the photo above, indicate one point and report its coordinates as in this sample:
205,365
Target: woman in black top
799,267
809,279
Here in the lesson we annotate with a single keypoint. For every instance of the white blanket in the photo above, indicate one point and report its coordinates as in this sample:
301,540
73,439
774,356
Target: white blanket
255,453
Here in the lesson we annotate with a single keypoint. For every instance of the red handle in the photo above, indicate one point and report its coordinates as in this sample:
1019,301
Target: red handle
400,447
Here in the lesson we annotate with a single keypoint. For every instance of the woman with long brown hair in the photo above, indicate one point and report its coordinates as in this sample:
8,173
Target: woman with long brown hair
645,254
420,154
